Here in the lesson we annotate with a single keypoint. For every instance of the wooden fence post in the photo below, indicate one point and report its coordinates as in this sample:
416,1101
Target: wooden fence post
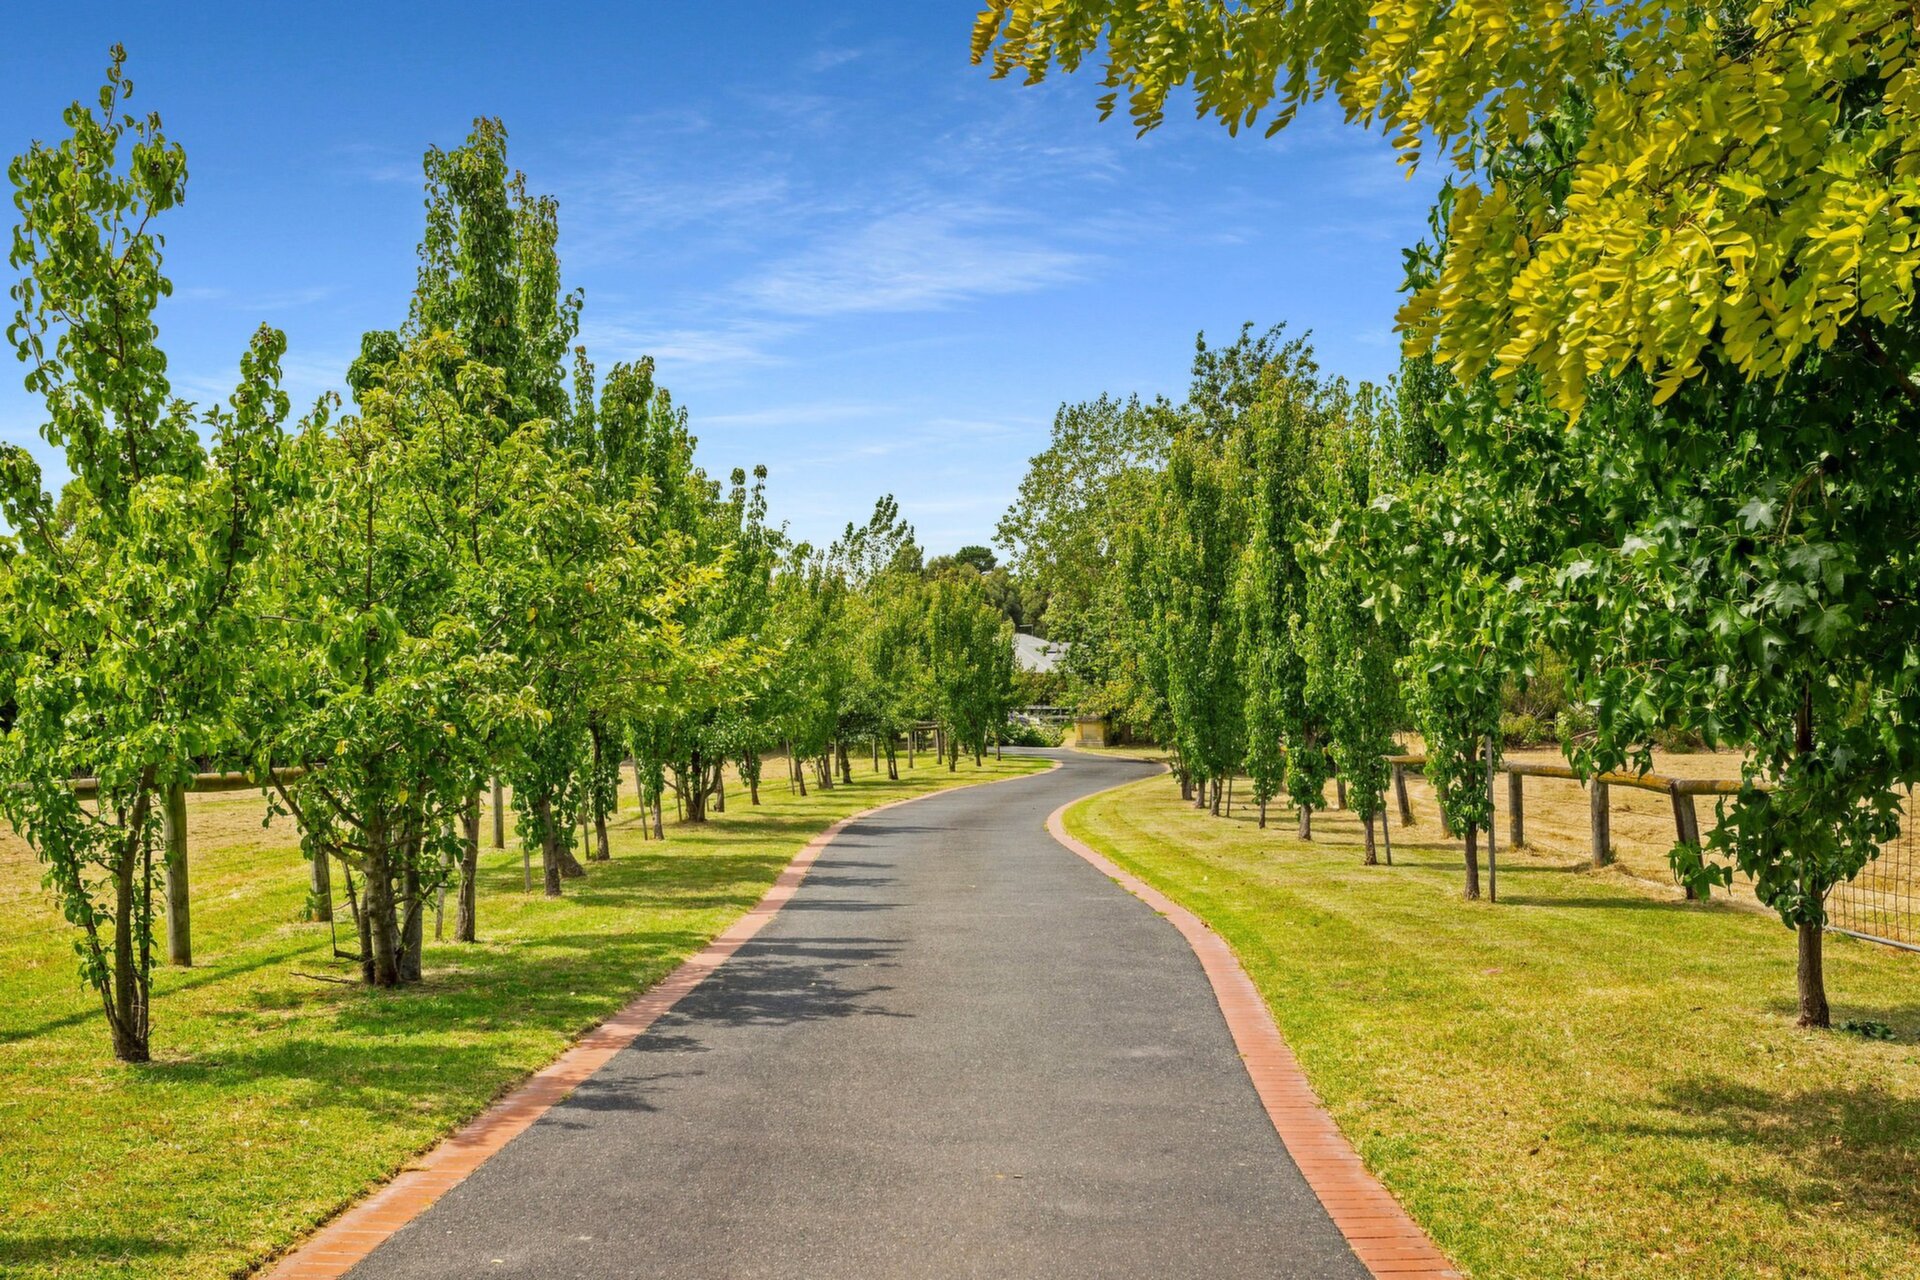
1516,812
1686,822
173,831
1602,826
1400,794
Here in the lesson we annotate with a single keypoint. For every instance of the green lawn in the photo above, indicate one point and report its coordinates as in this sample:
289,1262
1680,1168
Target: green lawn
274,1099
1586,1079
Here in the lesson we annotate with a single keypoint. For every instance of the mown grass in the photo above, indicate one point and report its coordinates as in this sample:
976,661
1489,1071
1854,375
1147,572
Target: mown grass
275,1099
1587,1079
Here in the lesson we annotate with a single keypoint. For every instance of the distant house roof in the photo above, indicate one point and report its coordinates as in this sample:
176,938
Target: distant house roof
1031,653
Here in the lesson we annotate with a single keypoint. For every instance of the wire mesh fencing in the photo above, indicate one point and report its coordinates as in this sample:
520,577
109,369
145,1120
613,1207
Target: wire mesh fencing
1883,901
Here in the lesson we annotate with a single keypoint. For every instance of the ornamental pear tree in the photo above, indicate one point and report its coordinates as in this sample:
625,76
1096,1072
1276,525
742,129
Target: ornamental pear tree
124,598
380,674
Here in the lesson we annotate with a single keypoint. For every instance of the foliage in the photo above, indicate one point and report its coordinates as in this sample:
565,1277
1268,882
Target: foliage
122,599
1642,186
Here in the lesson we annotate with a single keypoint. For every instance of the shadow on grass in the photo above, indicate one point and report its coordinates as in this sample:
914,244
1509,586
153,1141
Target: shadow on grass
1859,1147
101,1248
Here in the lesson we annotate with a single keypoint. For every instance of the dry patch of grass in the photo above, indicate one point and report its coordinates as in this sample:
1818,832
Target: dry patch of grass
274,1100
1588,1079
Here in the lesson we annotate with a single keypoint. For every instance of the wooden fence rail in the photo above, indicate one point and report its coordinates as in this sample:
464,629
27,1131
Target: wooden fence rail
1681,791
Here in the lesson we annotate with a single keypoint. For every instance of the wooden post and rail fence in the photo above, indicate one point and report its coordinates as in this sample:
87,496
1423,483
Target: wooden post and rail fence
1683,792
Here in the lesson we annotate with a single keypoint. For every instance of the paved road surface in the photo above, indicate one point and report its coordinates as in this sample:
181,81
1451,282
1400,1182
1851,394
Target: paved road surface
958,1051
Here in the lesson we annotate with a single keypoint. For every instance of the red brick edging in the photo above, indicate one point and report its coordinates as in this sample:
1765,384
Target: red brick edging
337,1247
1387,1242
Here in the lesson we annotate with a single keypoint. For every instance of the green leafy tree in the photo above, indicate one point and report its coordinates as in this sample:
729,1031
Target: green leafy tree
1740,188
1198,556
1350,652
381,686
124,599
1064,534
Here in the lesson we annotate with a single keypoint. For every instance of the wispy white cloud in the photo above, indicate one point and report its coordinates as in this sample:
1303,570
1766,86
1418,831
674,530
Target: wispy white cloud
259,303
731,342
798,415
829,58
913,260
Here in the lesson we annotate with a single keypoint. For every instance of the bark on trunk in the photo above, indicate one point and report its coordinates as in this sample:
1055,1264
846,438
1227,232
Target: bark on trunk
320,893
1306,822
693,789
173,825
412,920
1473,863
499,815
602,851
1263,815
465,919
129,1033
1373,858
1813,978
1340,794
381,932
549,847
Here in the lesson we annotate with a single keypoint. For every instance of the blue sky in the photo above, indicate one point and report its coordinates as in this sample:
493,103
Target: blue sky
856,258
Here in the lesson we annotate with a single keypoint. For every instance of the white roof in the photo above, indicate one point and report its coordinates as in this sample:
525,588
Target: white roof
1031,653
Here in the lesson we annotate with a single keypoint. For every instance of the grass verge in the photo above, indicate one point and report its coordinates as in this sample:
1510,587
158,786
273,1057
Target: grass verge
1586,1079
276,1099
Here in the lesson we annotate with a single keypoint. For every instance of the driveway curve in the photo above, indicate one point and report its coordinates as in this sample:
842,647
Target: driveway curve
958,1051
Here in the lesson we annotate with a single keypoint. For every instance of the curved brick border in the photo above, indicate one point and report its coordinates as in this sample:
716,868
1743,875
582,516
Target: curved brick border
334,1250
1388,1242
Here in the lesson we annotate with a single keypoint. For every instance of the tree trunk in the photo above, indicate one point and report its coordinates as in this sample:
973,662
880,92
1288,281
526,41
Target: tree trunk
465,920
1216,797
846,767
659,823
413,922
1373,858
1263,815
1186,783
693,787
549,847
363,921
320,893
569,865
499,815
602,851
893,764
1340,794
129,1031
1306,822
382,933
1812,968
1473,863
1813,978
173,826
